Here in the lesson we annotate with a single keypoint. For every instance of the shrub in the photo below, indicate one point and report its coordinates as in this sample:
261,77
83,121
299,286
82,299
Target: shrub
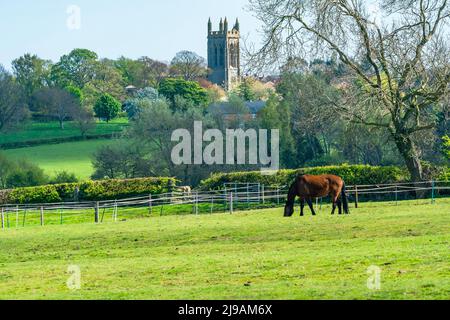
64,177
87,191
352,174
25,174
41,194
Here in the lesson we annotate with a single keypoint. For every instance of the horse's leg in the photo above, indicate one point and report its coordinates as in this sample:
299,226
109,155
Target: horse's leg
302,206
339,203
310,204
334,200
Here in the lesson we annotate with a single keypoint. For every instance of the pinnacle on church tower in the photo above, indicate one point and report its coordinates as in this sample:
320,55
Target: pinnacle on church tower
236,25
225,25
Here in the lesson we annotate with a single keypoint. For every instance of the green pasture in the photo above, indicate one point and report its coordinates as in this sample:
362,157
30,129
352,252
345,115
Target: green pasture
73,157
248,255
51,130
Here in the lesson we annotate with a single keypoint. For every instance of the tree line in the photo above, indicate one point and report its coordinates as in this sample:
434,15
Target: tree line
80,86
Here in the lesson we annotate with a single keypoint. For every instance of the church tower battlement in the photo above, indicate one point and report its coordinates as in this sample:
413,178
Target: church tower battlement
224,59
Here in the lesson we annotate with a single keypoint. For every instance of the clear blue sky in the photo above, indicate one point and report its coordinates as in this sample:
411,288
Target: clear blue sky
133,28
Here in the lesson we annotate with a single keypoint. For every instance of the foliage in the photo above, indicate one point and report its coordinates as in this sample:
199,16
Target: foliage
76,68
189,90
446,147
64,177
352,174
107,107
59,103
393,85
87,191
20,173
140,99
123,160
245,91
83,119
32,73
12,103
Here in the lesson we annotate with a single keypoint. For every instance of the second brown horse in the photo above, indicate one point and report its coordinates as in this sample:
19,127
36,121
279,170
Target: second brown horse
308,187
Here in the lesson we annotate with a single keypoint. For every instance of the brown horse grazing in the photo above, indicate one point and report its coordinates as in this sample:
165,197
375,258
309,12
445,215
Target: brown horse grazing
309,187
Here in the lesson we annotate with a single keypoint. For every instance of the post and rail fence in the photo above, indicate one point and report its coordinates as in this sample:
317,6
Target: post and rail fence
233,197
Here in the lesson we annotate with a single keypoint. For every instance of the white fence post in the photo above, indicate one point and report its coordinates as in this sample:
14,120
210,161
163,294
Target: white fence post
263,194
17,217
97,209
3,219
196,203
150,204
42,216
231,203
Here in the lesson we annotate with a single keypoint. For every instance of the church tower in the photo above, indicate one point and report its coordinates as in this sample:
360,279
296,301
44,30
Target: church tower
224,59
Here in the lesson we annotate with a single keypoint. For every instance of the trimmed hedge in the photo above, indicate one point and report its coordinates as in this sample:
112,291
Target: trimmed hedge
87,191
352,174
39,142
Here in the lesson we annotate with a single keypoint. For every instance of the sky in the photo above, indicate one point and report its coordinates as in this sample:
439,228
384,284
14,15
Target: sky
112,28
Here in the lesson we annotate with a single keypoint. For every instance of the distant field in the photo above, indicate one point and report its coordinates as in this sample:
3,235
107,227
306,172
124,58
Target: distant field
248,255
50,130
74,157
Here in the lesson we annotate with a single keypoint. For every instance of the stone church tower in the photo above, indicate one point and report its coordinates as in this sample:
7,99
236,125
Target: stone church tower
224,59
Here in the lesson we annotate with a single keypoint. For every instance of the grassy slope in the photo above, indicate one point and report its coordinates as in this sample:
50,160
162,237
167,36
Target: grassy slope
50,130
249,255
74,157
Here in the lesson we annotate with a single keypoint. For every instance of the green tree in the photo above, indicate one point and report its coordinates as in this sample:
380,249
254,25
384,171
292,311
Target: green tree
277,115
245,91
446,147
16,174
191,91
32,73
13,109
129,69
77,68
108,79
107,107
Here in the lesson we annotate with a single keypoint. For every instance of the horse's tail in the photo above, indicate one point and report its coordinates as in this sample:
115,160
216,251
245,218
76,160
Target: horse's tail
345,199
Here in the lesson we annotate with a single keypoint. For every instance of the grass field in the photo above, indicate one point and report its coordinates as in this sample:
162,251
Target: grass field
51,130
73,157
248,255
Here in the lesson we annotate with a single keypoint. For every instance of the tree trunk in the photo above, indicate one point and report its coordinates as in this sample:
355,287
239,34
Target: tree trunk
410,154
61,124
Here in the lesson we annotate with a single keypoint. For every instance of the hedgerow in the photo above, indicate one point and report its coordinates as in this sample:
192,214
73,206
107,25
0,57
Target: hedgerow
87,191
352,174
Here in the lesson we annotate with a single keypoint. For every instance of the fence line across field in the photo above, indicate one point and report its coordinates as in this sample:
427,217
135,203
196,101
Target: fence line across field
225,200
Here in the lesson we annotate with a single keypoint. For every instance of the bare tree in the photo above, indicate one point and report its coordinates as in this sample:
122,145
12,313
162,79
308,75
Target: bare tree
152,72
83,119
398,52
188,65
58,103
12,103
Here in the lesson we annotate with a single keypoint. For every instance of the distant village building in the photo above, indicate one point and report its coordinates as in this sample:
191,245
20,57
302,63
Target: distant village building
229,113
224,54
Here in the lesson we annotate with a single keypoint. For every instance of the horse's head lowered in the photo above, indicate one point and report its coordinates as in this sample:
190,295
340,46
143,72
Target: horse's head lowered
288,211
